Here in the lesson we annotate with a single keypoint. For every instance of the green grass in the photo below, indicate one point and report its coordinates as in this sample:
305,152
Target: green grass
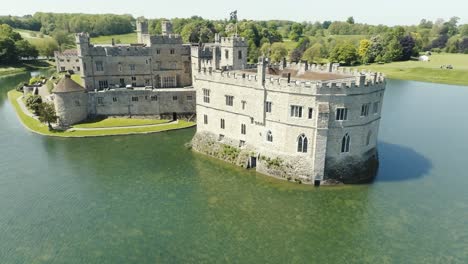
42,129
77,79
427,71
119,122
124,39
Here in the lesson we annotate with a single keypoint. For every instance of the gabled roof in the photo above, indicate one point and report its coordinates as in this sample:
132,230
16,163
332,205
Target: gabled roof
67,85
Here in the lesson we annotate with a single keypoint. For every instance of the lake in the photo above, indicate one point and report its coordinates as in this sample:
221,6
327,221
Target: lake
147,199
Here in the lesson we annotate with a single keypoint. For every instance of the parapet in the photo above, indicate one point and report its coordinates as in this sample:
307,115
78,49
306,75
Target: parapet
234,41
166,39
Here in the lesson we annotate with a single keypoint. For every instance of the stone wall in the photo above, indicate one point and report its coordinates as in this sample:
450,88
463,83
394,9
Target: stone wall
71,108
152,102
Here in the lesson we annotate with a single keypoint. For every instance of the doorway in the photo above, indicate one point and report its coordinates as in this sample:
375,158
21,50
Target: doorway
174,116
252,163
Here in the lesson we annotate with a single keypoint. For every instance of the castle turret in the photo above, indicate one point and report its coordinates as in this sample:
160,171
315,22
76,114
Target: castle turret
142,30
71,102
234,53
166,27
82,43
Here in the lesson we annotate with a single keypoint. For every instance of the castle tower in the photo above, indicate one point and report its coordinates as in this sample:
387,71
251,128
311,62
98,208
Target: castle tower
83,46
71,102
234,53
142,30
166,27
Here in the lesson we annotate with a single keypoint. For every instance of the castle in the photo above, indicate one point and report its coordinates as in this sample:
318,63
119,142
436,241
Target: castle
314,124
151,78
308,123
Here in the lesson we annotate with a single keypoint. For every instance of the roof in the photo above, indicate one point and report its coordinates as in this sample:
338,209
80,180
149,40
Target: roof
67,85
308,75
69,52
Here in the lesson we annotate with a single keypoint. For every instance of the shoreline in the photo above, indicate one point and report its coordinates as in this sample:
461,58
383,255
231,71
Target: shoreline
34,126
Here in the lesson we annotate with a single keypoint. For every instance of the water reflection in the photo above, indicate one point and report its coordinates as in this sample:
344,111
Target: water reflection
399,163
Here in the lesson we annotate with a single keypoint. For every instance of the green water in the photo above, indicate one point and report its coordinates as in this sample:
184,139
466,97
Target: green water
146,199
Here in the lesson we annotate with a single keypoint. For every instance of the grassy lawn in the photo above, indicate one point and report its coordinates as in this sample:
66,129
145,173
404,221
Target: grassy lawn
119,122
77,79
427,71
129,38
40,128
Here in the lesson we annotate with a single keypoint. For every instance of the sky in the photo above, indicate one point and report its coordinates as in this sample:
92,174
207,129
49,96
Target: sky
388,12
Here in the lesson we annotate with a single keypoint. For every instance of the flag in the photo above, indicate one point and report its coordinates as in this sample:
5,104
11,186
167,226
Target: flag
233,16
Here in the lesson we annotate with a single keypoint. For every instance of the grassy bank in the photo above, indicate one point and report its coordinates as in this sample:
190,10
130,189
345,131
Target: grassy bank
427,71
24,66
37,127
119,122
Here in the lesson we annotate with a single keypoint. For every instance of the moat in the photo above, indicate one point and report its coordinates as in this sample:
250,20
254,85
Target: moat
147,199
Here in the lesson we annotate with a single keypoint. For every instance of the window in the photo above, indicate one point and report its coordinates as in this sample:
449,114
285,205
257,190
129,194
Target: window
133,78
296,111
174,98
134,83
205,119
158,51
243,129
78,68
376,108
132,67
345,143
311,113
154,98
268,107
100,100
369,135
223,124
189,98
122,82
135,99
226,54
241,143
240,54
341,114
269,136
62,69
115,99
365,110
302,143
103,84
244,103
120,67
147,82
172,51
229,100
99,66
221,137
206,96
147,62
169,82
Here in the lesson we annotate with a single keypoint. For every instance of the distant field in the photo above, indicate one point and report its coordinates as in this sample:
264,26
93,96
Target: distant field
428,71
36,38
125,39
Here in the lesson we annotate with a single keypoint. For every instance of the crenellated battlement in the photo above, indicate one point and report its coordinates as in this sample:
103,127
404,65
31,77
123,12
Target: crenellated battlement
170,39
352,82
118,51
233,41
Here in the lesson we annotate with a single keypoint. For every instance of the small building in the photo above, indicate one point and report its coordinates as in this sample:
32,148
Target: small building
67,60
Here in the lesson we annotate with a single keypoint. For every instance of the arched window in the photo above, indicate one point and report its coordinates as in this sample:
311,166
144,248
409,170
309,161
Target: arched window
345,143
269,136
302,143
369,135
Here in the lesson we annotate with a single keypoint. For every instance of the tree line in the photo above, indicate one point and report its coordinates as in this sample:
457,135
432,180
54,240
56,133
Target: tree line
13,47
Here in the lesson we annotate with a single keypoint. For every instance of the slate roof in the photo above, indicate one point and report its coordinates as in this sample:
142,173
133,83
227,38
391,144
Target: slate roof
67,85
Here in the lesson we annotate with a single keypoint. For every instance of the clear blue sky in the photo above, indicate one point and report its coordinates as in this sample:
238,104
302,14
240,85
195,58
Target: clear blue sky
389,12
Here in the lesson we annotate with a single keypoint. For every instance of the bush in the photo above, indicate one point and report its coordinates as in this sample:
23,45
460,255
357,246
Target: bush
34,103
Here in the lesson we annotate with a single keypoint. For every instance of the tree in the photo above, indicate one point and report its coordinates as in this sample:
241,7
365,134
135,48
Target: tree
278,52
344,53
62,38
393,51
314,53
26,50
266,49
463,46
8,52
408,45
296,31
47,114
464,30
34,102
350,20
363,51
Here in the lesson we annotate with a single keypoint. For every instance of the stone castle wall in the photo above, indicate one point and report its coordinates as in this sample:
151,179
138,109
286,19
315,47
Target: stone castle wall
324,133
